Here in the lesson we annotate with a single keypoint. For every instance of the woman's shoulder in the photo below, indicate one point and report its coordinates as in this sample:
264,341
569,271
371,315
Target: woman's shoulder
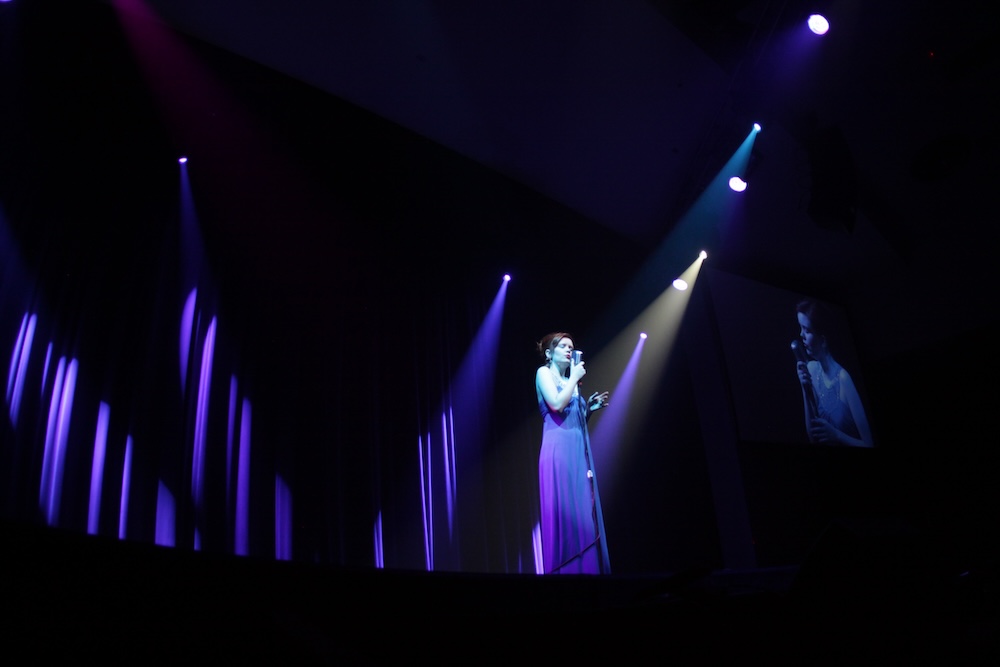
545,372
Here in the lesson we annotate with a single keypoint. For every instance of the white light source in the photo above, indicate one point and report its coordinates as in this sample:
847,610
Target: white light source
737,184
183,160
680,284
642,336
818,24
702,255
506,277
756,127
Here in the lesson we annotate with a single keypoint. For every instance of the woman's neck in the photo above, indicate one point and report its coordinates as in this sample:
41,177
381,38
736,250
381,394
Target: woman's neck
828,365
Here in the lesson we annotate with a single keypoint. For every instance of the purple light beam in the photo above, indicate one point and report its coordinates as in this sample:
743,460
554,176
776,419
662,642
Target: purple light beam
19,365
126,486
97,468
243,484
282,520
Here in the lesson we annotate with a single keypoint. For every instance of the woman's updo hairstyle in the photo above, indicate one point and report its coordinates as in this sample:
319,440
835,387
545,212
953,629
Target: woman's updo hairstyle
549,343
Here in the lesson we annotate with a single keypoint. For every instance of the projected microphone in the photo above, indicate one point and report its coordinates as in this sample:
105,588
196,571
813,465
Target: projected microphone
801,356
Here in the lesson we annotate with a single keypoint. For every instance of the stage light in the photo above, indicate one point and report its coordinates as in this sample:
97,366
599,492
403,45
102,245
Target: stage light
818,24
756,127
642,336
182,160
737,184
702,255
506,277
680,284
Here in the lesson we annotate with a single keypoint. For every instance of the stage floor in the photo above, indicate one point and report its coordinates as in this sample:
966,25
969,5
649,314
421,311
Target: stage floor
74,596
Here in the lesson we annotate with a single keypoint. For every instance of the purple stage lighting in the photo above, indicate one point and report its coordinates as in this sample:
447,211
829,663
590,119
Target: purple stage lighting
282,519
426,500
200,452
379,552
97,467
243,483
818,24
19,365
182,160
165,516
737,184
187,328
506,277
450,472
126,485
642,336
536,544
57,439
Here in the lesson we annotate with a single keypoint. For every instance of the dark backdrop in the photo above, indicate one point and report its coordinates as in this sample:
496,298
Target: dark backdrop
349,263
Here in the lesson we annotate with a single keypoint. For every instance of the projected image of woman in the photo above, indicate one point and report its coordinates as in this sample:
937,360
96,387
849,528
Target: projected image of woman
572,522
833,410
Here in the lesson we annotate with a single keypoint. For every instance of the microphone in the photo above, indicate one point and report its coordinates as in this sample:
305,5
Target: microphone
798,349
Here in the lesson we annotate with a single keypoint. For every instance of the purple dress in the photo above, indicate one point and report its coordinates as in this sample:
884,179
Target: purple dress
573,539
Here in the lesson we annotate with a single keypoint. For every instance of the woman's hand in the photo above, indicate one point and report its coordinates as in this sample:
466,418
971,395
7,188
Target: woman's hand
805,379
820,430
577,371
597,401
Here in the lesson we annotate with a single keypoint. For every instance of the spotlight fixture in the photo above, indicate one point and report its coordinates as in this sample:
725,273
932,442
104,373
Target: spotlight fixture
642,336
702,255
756,127
737,184
818,24
182,160
506,277
680,284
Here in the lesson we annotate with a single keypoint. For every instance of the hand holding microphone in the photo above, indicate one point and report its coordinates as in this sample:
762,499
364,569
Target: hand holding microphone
576,367
805,378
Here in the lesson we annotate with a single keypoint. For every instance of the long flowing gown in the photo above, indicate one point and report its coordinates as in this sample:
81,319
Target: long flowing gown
573,538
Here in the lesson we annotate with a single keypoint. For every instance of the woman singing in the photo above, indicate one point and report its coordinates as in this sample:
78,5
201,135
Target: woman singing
572,523
836,416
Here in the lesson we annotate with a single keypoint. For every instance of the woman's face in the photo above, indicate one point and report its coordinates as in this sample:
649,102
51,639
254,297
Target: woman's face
562,352
809,337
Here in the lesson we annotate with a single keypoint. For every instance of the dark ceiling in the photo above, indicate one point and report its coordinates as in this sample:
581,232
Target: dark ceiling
623,110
